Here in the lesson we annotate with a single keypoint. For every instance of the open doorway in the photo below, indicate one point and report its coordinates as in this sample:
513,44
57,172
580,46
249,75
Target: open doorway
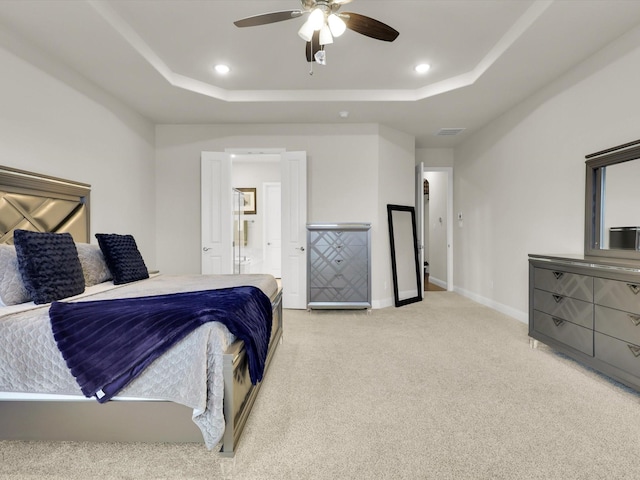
217,220
437,228
260,175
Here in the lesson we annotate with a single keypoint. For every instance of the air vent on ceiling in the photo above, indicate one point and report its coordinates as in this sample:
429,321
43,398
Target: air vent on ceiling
448,132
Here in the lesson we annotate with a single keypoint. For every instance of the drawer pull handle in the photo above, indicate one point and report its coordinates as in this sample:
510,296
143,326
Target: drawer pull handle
635,319
339,261
634,288
557,321
558,298
558,275
635,350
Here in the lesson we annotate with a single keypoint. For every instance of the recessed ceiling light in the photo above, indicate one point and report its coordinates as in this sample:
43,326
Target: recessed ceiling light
422,68
222,69
343,114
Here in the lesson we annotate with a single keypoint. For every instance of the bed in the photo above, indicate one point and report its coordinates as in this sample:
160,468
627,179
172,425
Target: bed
198,390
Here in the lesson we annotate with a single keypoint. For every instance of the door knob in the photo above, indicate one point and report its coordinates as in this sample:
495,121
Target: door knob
205,249
300,248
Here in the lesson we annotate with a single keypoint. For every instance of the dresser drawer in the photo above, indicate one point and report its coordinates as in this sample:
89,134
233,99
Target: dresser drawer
617,294
564,283
622,355
338,238
616,323
575,336
333,253
566,308
337,294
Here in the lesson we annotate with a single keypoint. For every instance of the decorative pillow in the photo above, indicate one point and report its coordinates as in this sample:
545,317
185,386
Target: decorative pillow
123,257
12,290
94,267
49,265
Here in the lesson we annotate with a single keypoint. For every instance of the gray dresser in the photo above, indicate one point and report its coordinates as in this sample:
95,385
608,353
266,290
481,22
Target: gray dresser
339,267
589,309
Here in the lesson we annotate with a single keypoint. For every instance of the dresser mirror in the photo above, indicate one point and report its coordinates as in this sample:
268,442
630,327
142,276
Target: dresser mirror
404,255
612,220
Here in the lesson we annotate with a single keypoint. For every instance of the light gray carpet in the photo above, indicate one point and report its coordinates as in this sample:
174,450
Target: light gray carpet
443,389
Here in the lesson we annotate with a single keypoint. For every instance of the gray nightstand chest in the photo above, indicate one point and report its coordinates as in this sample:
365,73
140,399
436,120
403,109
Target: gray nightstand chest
339,266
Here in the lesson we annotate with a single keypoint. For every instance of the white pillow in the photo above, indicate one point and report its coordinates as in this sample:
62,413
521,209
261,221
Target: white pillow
94,267
12,289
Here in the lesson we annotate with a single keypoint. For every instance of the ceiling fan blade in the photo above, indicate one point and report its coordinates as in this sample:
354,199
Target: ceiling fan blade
369,27
266,18
309,51
342,2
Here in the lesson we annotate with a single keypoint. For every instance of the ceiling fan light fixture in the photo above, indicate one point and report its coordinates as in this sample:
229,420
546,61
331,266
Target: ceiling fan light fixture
316,19
336,24
306,31
325,35
321,57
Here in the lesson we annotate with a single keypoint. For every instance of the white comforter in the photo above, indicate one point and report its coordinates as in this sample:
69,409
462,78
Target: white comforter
190,373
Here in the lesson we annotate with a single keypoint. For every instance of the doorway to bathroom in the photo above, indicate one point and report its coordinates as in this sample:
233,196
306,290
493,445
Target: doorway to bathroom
255,175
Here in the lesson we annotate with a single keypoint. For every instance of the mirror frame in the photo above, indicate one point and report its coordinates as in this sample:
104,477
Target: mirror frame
418,297
593,198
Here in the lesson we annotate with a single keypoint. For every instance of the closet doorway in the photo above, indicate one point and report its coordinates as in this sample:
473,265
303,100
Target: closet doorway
434,209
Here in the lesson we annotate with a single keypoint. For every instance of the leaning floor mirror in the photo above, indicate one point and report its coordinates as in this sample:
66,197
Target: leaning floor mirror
404,255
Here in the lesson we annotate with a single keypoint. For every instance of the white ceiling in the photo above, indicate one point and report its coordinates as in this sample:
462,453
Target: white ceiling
486,56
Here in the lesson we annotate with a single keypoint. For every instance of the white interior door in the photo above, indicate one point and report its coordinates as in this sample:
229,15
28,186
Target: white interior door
420,215
216,213
294,229
272,244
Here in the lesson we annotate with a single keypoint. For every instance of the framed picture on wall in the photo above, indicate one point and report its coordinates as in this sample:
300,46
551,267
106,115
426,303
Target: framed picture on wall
249,201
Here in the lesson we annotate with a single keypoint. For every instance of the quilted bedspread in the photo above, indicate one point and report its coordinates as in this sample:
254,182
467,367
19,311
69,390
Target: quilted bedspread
190,373
108,343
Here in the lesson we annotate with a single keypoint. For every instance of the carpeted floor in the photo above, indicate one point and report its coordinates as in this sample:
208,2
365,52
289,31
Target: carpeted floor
442,389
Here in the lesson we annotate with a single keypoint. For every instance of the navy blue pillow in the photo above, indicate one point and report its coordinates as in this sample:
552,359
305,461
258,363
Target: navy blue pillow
49,265
123,257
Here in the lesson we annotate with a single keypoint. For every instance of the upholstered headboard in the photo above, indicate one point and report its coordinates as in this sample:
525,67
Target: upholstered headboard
41,203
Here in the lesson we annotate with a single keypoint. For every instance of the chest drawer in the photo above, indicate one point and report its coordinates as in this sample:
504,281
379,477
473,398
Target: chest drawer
338,238
617,294
564,283
616,323
566,308
622,355
575,336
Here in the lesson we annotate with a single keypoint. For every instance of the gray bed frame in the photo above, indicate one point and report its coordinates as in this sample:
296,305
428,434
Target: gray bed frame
81,419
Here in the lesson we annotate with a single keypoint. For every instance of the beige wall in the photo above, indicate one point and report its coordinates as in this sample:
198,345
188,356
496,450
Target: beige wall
395,181
56,123
520,180
435,157
345,163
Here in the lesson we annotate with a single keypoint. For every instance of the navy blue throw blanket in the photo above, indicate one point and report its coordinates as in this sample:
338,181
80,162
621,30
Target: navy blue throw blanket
108,343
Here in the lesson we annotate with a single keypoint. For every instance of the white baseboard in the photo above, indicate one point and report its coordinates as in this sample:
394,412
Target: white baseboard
512,312
438,282
385,302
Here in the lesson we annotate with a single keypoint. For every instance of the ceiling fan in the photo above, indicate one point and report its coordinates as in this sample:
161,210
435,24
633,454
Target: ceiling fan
324,22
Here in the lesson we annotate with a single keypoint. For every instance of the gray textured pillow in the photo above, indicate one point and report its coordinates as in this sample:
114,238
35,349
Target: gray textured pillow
12,289
94,267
